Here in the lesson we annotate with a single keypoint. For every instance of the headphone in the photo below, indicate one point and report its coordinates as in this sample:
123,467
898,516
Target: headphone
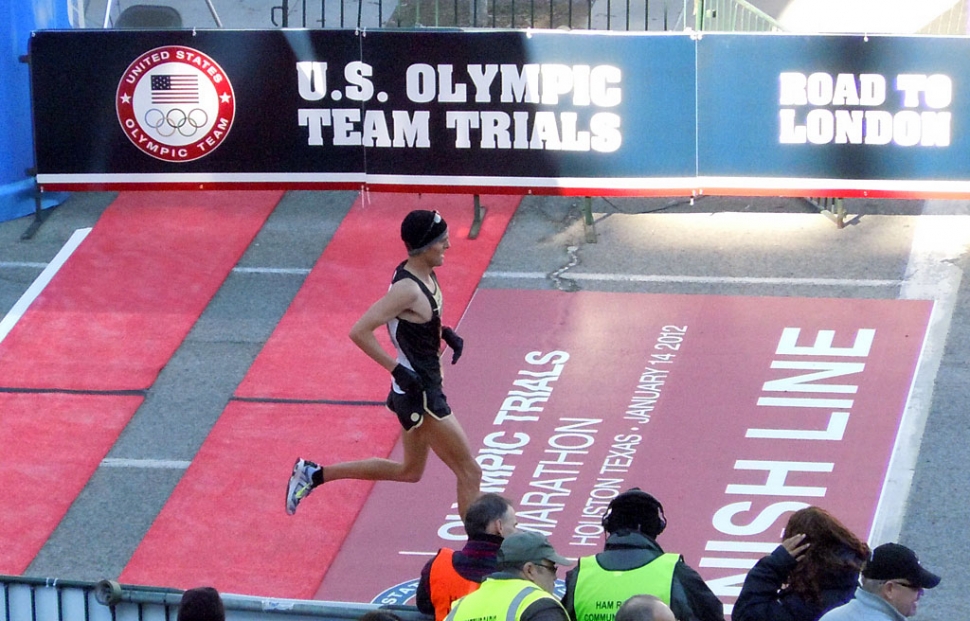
635,509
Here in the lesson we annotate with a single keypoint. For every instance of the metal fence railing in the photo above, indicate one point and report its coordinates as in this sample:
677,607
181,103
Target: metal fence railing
626,15
951,22
47,599
732,16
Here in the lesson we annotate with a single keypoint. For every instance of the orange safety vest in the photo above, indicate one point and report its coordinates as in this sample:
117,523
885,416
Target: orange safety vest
446,584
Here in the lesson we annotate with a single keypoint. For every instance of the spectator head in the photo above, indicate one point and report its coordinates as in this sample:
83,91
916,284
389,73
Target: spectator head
895,574
201,604
636,511
644,608
490,514
531,556
833,549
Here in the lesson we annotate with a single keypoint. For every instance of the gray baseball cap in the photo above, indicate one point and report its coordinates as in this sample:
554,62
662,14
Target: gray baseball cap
528,547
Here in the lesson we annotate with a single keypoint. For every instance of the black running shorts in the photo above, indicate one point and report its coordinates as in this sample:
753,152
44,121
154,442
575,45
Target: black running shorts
411,407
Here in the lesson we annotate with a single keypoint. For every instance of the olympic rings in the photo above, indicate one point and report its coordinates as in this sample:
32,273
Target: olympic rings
180,115
166,124
196,118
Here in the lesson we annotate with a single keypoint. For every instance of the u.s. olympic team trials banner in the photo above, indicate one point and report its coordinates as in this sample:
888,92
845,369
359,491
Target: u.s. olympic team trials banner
497,109
582,113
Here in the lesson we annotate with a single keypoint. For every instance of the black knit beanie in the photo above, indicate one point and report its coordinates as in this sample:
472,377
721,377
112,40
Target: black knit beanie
201,604
420,229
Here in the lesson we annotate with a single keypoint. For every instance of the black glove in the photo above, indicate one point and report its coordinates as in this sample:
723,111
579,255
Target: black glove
455,342
408,380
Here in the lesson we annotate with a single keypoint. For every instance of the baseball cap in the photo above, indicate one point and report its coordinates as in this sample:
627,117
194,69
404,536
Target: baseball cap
892,561
528,547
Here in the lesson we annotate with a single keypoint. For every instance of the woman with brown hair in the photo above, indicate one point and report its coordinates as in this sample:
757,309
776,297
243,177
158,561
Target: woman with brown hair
815,568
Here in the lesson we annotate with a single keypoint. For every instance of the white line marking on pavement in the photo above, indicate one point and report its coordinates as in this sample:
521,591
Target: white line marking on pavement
166,464
415,553
9,264
719,280
302,271
20,307
930,275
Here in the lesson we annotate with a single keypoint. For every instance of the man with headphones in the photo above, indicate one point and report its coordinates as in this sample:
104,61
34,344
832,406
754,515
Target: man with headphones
632,563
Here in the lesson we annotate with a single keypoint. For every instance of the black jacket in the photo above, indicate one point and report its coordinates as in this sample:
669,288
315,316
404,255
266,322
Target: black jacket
762,599
690,597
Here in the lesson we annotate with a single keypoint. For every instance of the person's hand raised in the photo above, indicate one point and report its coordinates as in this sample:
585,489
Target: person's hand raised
795,545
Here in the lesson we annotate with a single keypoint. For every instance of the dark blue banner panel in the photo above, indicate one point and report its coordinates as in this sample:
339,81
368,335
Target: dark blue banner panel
548,112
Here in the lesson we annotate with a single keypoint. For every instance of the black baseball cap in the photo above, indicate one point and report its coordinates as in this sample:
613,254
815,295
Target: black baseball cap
892,561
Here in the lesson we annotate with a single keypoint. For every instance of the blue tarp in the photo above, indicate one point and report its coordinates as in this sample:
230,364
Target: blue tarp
17,20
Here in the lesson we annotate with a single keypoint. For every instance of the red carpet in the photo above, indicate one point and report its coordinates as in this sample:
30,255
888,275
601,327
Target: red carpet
117,310
231,500
309,356
225,525
52,444
108,321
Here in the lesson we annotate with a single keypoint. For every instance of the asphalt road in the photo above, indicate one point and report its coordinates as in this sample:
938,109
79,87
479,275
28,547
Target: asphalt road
749,247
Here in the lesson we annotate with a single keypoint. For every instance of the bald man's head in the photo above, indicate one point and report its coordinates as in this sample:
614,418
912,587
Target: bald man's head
644,608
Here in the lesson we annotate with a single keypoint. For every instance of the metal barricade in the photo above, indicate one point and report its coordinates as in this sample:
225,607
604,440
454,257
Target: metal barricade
47,599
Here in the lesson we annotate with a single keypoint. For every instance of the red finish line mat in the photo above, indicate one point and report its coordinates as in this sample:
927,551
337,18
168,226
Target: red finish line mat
733,411
225,525
44,465
310,356
116,311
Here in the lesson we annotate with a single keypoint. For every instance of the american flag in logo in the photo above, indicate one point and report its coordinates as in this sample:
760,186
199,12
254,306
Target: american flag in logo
175,89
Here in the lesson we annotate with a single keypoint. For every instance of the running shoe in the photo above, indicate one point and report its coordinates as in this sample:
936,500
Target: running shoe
301,483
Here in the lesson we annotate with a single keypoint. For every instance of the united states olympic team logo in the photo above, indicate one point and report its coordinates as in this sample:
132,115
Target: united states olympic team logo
175,103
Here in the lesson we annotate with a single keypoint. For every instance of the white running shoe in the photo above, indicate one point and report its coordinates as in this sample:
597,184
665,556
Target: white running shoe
300,484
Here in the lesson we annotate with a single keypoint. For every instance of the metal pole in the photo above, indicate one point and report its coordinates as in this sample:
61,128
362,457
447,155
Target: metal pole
107,14
215,16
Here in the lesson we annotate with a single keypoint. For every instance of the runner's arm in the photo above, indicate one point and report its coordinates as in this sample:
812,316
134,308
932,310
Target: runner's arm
400,298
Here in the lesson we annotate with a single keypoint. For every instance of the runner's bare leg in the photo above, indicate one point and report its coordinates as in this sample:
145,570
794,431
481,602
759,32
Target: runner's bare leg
449,443
409,470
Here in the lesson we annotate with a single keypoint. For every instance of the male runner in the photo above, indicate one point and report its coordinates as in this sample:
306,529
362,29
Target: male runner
411,310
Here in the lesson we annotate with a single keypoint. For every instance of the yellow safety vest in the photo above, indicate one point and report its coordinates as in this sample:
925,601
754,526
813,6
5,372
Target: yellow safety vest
600,592
498,599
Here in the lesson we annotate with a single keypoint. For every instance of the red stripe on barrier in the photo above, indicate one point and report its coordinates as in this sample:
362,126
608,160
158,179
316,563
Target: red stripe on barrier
44,463
116,311
309,356
225,523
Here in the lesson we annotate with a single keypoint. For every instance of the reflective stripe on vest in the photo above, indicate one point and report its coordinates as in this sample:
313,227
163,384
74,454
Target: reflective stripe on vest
498,600
446,585
599,592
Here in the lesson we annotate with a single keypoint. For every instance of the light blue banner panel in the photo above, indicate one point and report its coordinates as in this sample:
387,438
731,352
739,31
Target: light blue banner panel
861,114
